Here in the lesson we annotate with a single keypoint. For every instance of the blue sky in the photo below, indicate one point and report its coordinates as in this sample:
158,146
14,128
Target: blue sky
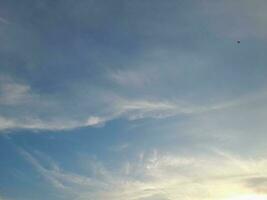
133,100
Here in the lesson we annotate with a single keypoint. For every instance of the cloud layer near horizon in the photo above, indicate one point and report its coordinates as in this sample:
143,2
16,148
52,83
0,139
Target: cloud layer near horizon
157,175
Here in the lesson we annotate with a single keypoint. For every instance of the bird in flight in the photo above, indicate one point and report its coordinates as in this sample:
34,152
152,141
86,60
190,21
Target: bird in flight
238,41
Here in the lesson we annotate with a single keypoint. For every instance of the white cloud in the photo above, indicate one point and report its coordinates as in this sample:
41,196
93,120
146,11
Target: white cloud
138,109
28,110
94,121
6,123
118,108
23,108
13,93
37,124
130,78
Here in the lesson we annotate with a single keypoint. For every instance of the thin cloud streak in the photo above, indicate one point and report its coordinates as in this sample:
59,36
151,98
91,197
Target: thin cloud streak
16,95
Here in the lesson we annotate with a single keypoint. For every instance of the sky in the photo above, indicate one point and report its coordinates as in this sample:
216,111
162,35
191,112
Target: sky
133,100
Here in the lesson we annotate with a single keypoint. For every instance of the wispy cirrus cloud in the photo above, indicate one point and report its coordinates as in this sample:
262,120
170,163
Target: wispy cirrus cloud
130,78
14,93
159,175
24,108
163,81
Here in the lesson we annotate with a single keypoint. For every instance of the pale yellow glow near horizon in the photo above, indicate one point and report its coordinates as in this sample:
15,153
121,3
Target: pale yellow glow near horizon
248,197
